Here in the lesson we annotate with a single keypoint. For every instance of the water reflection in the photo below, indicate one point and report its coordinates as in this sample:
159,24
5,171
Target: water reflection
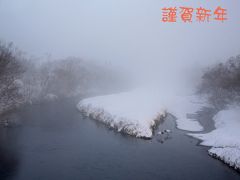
9,161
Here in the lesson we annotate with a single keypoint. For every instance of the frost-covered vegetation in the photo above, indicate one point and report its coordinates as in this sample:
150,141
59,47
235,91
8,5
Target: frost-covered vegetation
24,80
65,78
222,83
11,70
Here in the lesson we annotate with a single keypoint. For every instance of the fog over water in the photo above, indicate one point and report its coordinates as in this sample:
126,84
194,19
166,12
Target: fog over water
122,33
77,49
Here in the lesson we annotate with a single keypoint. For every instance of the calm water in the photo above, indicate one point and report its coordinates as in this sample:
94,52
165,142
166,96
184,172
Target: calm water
55,142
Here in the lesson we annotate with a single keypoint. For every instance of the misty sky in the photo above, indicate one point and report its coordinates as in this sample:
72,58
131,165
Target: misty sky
126,32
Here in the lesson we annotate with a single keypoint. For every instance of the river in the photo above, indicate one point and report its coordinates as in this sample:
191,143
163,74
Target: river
54,141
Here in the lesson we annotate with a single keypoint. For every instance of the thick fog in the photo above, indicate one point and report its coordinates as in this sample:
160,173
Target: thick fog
122,33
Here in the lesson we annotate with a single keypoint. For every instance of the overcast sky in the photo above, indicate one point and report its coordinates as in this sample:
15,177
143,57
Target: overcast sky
121,31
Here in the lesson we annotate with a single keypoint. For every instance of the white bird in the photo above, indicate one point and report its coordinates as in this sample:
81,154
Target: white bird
160,132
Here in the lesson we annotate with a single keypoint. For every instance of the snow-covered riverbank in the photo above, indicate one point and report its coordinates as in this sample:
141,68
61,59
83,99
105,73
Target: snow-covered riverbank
137,112
225,139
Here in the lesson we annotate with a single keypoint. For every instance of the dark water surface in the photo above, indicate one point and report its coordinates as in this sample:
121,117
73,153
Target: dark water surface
54,141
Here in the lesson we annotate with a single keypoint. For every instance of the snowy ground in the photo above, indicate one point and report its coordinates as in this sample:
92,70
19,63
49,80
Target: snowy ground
225,139
138,111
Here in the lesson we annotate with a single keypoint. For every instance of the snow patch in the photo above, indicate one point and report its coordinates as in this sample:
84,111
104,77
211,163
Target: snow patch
184,108
137,112
229,155
225,139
